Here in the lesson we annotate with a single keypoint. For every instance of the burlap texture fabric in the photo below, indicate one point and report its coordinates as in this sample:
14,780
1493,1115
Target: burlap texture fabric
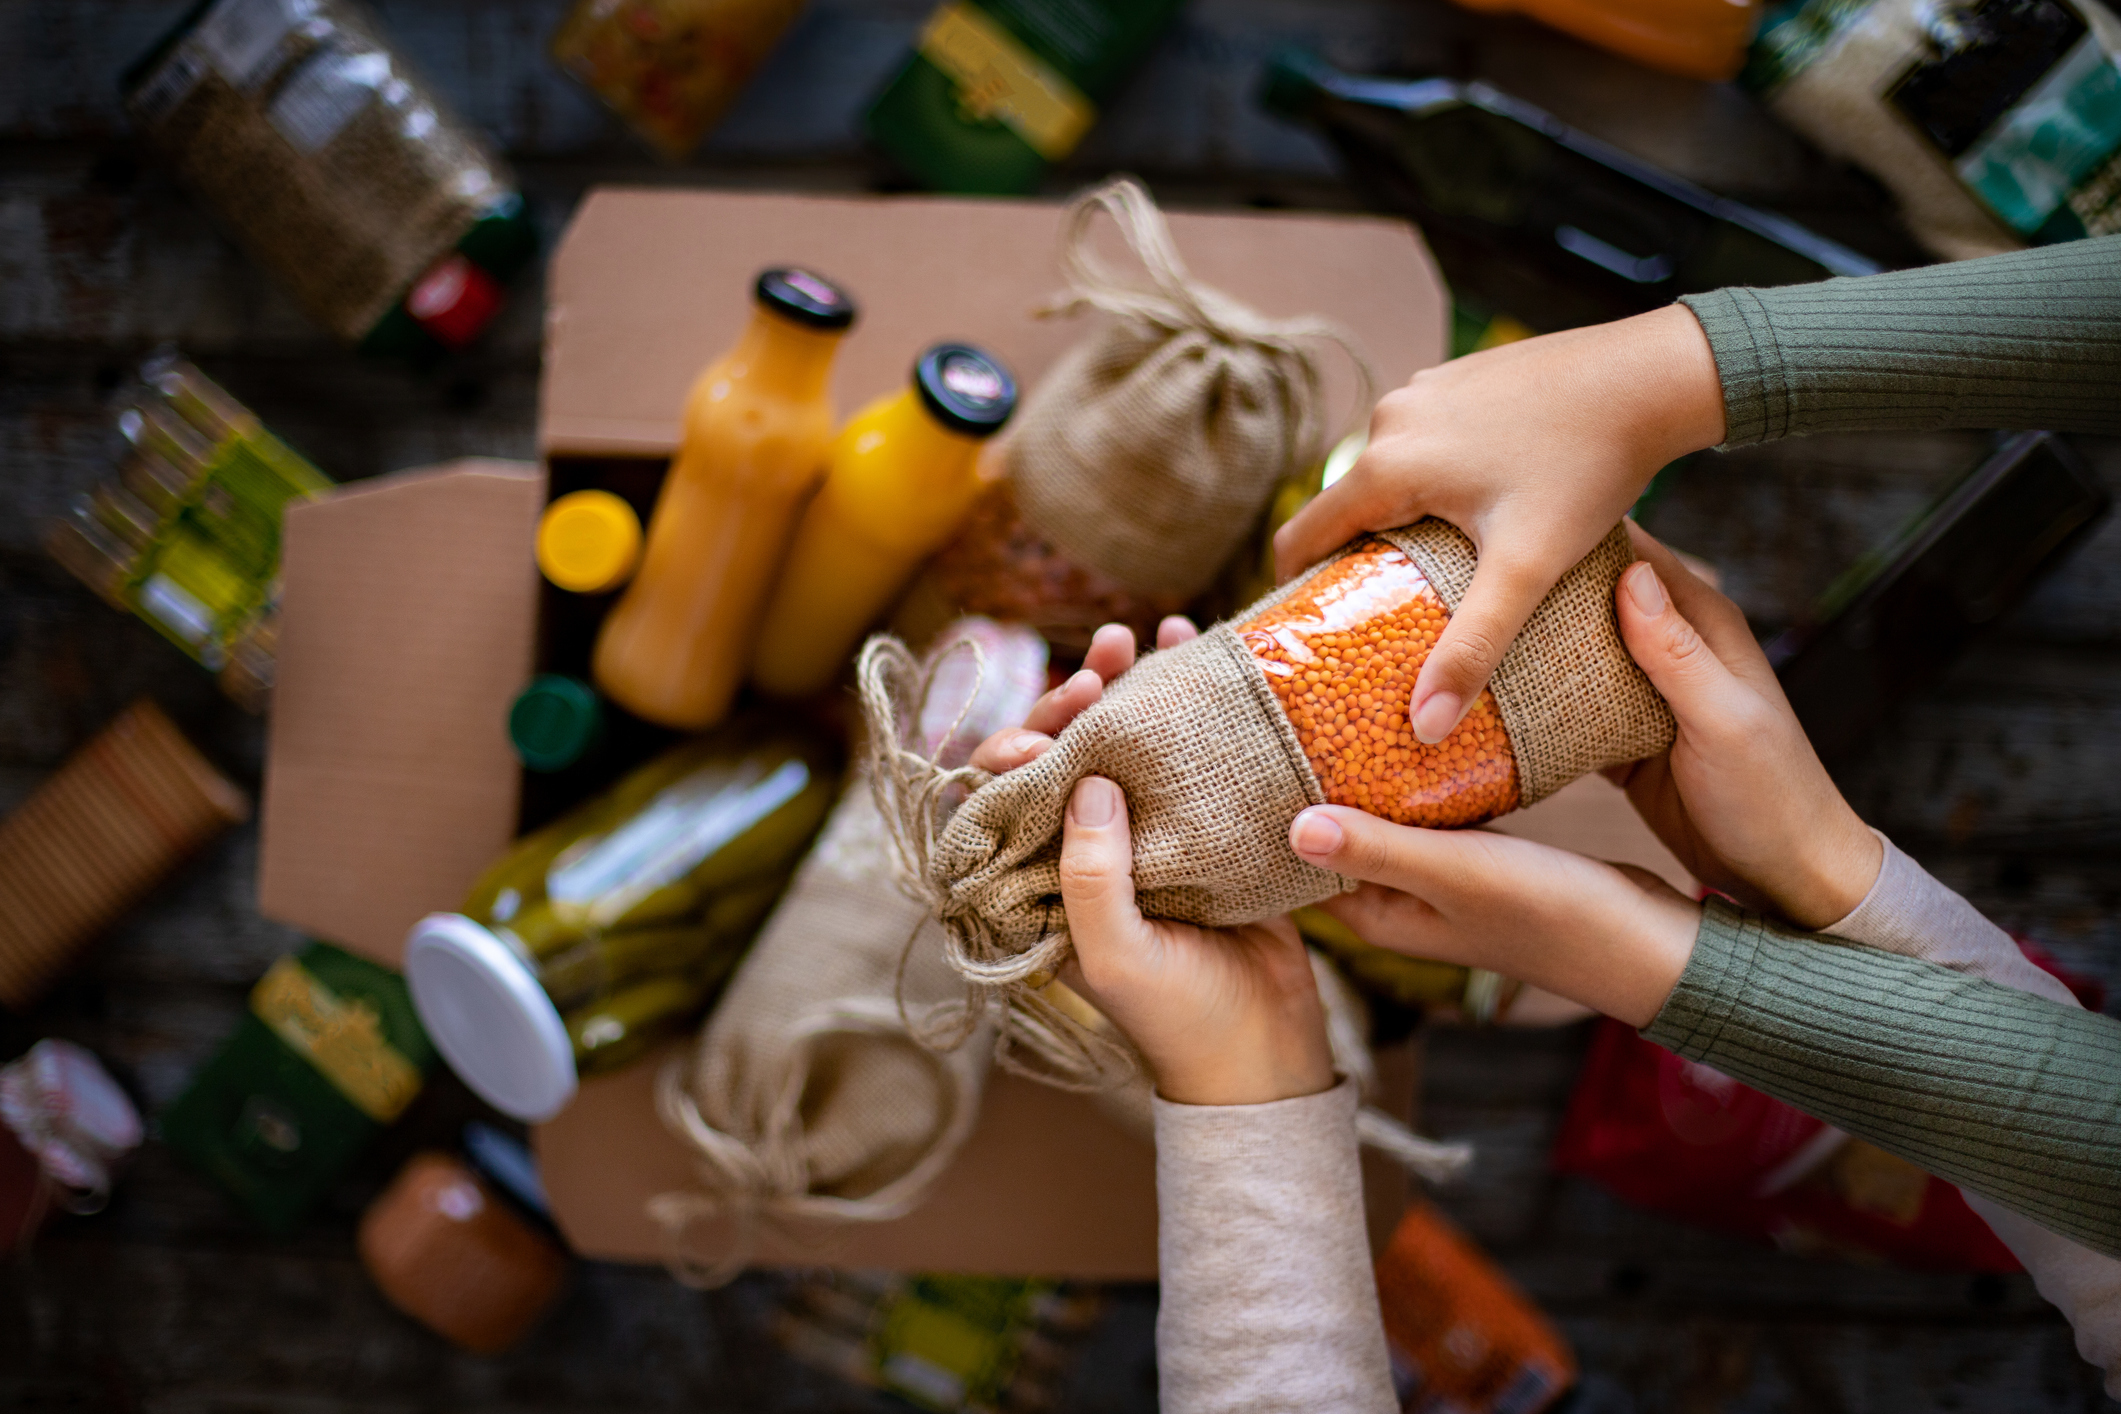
1149,450
1571,698
809,1095
842,1071
1213,774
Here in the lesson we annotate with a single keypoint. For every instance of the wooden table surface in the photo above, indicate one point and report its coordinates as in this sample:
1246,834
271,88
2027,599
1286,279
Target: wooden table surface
2001,780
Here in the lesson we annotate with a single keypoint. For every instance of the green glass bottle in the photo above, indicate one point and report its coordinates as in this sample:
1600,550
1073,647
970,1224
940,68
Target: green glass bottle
1487,175
188,535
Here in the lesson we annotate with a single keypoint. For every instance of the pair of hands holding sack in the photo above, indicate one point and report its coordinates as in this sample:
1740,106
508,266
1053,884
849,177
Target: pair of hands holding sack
1231,1016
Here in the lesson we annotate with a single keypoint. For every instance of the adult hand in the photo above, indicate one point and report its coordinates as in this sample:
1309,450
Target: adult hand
1534,450
1613,938
1740,797
1222,1016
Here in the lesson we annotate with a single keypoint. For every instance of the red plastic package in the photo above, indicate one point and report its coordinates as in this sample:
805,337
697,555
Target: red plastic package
1682,1139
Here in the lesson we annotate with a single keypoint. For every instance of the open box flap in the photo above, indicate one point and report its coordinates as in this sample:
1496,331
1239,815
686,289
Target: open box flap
1047,1185
407,627
647,287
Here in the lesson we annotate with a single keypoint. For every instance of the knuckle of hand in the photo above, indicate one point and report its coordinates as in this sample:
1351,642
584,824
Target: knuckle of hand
1688,651
1087,872
1469,650
1362,854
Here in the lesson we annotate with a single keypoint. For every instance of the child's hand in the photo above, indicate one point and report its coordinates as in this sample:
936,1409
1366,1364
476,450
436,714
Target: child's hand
1532,449
1111,653
1223,1016
1613,938
1741,797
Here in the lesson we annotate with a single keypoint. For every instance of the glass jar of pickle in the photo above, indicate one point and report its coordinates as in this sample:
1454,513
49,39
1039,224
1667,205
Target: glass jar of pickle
611,928
188,534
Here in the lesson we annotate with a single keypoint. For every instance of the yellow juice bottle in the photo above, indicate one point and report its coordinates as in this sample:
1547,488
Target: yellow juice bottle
903,475
758,425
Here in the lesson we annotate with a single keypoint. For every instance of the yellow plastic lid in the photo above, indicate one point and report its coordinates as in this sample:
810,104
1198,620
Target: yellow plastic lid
589,542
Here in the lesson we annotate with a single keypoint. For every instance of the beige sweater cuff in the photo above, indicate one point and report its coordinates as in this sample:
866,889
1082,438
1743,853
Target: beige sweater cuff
1910,913
1268,1302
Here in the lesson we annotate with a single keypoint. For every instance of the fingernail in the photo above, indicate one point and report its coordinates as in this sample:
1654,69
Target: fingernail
1646,589
1027,742
1434,718
1083,677
1315,833
1095,802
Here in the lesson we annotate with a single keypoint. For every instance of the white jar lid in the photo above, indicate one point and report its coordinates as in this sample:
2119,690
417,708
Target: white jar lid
485,1012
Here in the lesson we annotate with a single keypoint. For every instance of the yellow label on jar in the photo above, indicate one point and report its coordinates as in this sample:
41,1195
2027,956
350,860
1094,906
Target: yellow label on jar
343,1039
998,78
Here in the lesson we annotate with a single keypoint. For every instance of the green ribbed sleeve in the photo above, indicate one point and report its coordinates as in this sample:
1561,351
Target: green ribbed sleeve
2013,1096
2026,340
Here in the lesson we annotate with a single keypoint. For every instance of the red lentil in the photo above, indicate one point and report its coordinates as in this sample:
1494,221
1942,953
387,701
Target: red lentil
1341,655
1000,566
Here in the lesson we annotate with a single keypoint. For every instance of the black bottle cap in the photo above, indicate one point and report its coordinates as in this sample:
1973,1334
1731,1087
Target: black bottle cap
966,390
809,299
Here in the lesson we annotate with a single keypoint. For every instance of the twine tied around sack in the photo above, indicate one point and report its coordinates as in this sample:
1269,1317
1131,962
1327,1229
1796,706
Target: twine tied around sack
1149,450
914,793
1347,1036
762,1182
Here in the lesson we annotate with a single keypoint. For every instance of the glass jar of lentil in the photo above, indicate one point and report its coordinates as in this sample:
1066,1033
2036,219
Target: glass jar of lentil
1341,653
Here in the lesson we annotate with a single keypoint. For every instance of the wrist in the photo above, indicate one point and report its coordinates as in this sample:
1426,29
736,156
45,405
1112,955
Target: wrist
1836,875
1249,1071
1674,387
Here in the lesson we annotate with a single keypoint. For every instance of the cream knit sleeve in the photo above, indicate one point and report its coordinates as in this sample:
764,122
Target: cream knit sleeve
1269,1301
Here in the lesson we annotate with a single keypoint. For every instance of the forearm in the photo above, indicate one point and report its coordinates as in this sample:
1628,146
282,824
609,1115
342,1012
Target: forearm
2029,339
1268,1301
1909,912
2011,1096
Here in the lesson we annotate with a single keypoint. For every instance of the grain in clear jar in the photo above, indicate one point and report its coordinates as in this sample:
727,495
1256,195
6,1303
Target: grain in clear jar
1342,654
1001,567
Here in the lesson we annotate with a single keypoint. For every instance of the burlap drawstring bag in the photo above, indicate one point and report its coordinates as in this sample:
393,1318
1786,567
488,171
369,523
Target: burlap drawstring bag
1213,773
1148,452
842,1071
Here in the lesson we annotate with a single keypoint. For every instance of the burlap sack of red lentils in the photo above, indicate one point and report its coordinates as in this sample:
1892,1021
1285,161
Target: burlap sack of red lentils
1213,774
1149,451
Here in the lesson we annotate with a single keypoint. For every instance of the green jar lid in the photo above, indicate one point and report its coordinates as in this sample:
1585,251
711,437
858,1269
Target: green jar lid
555,721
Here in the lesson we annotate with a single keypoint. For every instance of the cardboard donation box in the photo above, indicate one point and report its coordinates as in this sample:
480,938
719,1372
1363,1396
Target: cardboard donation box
409,623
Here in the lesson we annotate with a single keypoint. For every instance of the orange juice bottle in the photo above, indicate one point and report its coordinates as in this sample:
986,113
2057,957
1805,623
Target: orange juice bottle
1698,39
758,424
904,473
